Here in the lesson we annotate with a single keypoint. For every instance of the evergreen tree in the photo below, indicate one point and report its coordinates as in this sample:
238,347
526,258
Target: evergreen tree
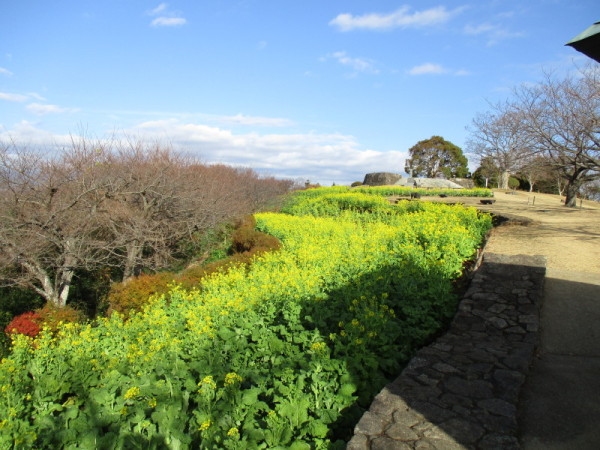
436,157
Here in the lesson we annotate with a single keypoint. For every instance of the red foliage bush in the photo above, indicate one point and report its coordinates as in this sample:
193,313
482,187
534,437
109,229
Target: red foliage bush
26,323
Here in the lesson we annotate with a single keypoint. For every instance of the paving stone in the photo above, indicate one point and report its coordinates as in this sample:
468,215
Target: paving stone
438,444
445,368
382,408
498,407
469,388
407,418
498,424
386,396
427,380
463,431
386,443
432,412
499,442
401,433
369,424
453,399
358,442
516,329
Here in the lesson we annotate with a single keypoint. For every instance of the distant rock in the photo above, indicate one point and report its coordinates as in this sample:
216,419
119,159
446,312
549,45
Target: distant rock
467,183
393,179
381,179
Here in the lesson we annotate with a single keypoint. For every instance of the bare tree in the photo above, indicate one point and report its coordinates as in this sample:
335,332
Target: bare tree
536,168
155,199
123,204
48,218
158,198
498,136
562,118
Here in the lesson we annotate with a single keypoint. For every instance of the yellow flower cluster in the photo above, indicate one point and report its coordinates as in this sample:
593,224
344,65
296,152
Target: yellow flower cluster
132,392
205,425
232,378
233,432
208,382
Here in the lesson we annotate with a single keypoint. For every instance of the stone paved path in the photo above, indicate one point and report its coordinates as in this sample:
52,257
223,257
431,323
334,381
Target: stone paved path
462,391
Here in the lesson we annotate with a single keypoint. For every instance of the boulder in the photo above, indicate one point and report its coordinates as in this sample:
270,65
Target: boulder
381,178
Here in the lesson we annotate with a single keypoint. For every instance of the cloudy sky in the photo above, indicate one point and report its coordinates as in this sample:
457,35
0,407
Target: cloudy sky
312,89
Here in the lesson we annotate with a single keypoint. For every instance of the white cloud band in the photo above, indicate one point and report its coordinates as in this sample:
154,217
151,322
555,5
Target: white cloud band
401,18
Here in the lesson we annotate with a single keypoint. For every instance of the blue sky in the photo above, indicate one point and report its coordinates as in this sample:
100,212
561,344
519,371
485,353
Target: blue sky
319,90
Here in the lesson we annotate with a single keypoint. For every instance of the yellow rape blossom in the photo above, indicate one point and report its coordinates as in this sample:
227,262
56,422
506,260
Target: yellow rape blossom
318,347
205,425
232,378
132,393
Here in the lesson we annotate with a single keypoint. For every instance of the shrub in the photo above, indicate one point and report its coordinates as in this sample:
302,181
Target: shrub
27,323
513,183
247,243
51,317
134,293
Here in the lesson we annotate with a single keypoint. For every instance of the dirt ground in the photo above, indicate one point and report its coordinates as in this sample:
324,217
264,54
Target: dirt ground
540,224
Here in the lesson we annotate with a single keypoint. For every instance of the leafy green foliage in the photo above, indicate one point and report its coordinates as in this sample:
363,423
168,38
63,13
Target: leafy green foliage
281,353
434,157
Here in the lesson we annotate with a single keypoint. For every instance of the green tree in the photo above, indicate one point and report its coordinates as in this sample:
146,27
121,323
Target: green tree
436,157
487,174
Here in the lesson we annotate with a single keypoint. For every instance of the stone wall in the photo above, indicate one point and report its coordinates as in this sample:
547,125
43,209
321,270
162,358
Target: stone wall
381,179
462,391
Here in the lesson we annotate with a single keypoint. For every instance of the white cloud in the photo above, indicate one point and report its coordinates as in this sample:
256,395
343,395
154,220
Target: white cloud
166,17
323,158
159,9
479,29
36,96
6,72
357,64
491,33
428,69
43,109
257,121
401,18
27,133
436,69
12,97
168,21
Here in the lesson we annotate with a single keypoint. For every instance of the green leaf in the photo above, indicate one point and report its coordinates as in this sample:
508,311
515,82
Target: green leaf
347,389
318,429
250,396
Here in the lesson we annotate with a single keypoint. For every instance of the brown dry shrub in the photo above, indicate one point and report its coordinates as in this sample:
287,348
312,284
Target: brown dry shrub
51,316
132,294
247,243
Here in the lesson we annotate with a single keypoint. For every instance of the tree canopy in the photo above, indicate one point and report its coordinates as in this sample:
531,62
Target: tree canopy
436,157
